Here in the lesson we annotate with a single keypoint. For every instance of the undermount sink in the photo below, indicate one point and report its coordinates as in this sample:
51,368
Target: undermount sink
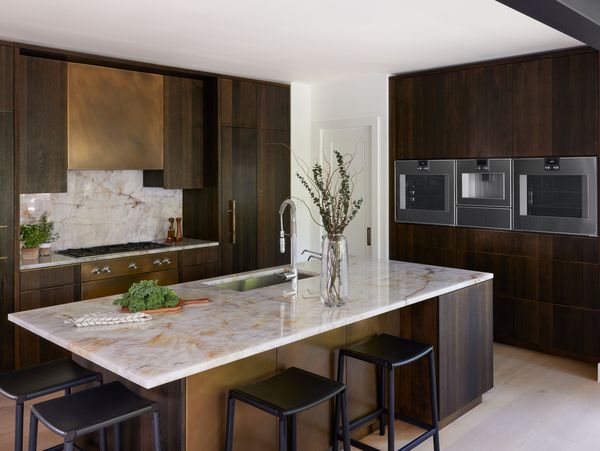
259,281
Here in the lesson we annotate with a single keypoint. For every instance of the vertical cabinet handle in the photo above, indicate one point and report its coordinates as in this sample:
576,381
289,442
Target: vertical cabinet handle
231,212
368,236
2,257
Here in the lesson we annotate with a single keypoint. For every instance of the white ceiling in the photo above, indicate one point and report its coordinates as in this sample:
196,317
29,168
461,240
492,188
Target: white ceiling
286,40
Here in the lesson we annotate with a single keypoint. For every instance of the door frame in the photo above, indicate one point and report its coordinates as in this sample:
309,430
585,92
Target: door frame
373,161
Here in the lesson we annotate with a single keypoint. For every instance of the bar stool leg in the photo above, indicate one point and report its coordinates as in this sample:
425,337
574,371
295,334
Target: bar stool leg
230,418
68,445
381,398
434,403
102,434
391,410
33,429
156,427
19,427
336,405
345,421
282,434
117,436
293,435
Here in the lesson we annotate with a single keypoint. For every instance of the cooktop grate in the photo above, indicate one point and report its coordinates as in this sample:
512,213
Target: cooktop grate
111,249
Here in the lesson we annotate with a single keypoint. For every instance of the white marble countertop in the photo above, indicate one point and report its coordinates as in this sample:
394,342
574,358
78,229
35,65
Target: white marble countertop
237,325
64,260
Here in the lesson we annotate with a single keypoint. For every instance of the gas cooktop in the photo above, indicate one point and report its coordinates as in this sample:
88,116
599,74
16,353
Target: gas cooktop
111,249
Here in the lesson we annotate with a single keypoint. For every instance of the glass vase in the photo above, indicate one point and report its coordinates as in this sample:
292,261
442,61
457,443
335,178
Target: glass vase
334,270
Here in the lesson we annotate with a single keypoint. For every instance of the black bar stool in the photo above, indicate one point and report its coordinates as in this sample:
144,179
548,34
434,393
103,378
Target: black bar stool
90,411
30,383
387,353
284,396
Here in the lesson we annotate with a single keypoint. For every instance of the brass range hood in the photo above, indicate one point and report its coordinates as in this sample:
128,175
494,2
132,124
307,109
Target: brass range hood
115,118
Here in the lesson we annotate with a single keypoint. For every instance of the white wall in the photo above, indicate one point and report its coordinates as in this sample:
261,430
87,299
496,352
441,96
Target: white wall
354,98
308,231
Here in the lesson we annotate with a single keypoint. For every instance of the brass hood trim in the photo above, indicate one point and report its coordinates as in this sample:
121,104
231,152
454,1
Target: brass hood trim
115,118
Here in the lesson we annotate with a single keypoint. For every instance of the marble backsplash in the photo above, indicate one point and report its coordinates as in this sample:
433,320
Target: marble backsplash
105,207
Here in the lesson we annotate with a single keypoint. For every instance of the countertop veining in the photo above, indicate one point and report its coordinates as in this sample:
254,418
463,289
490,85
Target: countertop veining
237,325
64,260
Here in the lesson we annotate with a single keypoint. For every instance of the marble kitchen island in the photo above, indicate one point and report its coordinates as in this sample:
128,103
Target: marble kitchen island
188,360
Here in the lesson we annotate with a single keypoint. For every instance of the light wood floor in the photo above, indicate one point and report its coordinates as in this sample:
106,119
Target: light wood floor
539,403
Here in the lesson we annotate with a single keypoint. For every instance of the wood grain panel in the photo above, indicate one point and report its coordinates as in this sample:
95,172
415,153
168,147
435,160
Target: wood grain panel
273,188
191,257
6,79
198,272
238,103
49,277
42,121
273,107
119,285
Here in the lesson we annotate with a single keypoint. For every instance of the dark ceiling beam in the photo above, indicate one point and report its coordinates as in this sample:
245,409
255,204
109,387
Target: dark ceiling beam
579,19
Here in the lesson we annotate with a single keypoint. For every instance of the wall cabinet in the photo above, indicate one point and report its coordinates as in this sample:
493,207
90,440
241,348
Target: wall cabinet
42,120
183,135
8,241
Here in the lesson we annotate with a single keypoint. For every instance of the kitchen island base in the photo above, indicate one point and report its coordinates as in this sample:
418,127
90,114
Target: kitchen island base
457,324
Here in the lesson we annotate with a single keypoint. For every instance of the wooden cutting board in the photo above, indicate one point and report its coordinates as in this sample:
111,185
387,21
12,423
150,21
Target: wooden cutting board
176,308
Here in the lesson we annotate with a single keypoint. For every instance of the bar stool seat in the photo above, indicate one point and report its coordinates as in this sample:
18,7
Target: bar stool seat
90,411
285,395
388,352
29,383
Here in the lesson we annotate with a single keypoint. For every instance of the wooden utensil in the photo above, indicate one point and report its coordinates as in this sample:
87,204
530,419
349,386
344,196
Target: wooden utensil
175,308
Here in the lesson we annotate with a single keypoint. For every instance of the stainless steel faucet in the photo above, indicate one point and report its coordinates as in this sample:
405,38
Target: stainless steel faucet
294,269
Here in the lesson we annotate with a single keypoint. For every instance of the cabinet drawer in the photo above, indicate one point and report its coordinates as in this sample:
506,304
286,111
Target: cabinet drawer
139,264
119,285
49,277
49,296
198,272
193,257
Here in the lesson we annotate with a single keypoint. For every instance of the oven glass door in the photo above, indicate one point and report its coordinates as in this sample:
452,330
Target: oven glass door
557,201
425,195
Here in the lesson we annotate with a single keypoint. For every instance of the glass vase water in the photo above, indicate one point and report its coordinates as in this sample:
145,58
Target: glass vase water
334,270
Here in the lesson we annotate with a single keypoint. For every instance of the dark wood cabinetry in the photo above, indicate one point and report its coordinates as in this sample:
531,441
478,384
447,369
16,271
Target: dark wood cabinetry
556,106
7,208
255,173
42,111
44,288
183,135
197,264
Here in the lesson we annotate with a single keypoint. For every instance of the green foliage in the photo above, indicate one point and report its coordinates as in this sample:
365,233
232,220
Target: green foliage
147,295
47,229
331,191
31,236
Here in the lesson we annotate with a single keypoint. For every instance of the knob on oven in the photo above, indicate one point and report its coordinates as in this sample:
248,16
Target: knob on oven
106,270
133,266
95,270
166,261
157,262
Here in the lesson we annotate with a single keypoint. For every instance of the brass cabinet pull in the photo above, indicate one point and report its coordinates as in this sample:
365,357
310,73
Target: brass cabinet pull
231,212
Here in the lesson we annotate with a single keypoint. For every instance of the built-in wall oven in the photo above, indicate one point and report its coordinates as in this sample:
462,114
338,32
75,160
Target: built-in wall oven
425,191
556,195
483,193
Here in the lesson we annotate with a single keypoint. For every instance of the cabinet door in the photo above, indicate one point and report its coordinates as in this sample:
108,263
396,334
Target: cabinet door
6,79
273,107
426,120
485,109
239,171
273,189
183,146
7,240
42,109
238,103
556,106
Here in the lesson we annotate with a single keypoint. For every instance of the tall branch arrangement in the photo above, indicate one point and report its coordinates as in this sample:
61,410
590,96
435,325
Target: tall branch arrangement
331,188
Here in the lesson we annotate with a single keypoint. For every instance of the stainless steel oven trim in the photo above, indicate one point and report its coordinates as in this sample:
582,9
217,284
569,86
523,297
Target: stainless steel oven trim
438,167
495,165
570,166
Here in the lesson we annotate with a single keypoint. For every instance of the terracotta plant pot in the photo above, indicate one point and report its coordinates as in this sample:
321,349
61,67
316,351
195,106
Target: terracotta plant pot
30,253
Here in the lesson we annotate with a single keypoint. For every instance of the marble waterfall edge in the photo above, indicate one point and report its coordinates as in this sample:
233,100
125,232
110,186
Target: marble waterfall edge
104,207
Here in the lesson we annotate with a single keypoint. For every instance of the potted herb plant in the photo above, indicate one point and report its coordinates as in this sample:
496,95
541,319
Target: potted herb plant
330,188
47,230
31,237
